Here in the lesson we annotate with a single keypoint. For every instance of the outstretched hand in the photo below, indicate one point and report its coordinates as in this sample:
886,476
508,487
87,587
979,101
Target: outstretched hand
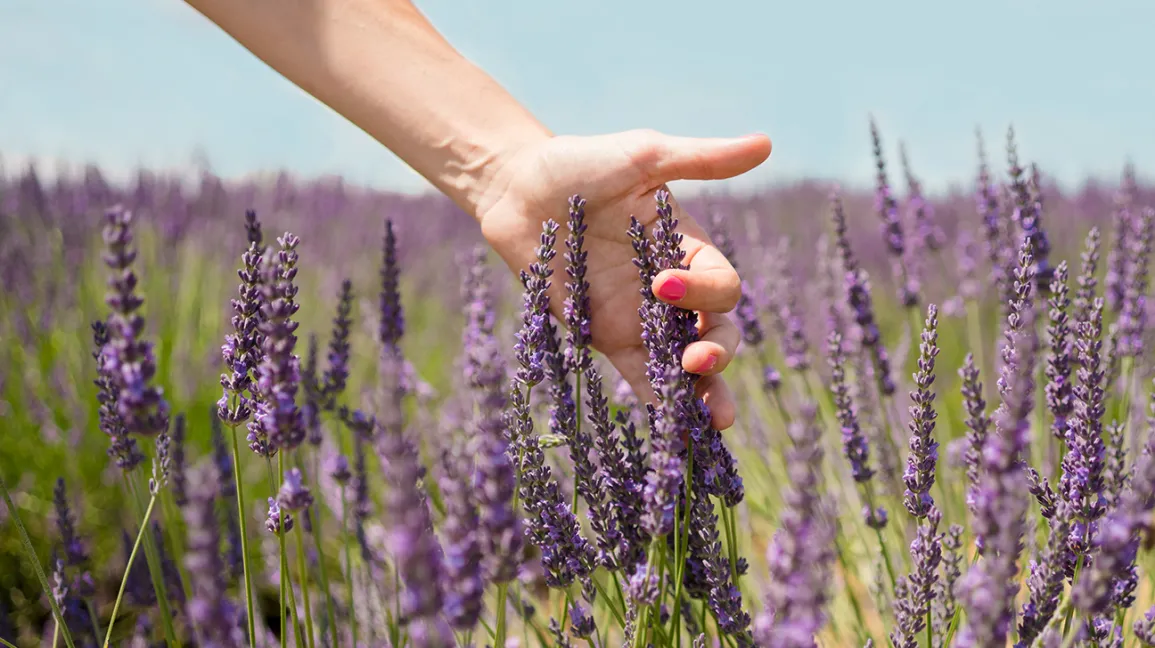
618,175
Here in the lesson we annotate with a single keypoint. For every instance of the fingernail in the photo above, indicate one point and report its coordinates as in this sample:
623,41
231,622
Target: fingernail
672,290
711,360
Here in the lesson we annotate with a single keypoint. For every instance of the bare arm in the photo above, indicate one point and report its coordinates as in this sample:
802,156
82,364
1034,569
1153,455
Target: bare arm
383,66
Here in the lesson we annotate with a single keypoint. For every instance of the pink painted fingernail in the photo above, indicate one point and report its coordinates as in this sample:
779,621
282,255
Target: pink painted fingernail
711,360
673,289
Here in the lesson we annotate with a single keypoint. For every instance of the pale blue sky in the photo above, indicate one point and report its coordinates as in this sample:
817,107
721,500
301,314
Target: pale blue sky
127,82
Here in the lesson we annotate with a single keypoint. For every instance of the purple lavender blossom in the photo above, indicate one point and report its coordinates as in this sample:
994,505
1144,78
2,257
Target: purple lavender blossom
76,554
242,349
1122,227
1058,368
129,358
121,447
294,494
915,593
278,520
223,460
990,587
1145,628
1085,294
977,422
1111,577
923,457
551,525
335,378
1028,213
664,481
278,420
946,593
494,478
582,623
927,233
855,447
1047,576
709,573
886,206
1133,318
392,324
996,228
217,621
161,463
801,554
577,303
178,483
464,587
746,311
1081,484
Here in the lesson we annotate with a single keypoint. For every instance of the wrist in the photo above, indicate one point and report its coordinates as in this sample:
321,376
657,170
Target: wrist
477,168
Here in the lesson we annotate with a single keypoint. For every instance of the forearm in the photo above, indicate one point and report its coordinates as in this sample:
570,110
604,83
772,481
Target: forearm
380,64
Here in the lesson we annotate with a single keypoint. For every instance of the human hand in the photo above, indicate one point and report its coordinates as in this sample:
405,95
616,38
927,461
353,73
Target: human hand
618,175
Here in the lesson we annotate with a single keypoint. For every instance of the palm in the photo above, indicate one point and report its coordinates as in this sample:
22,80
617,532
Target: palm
617,177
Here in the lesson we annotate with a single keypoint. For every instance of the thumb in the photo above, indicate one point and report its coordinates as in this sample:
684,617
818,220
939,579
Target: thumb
668,158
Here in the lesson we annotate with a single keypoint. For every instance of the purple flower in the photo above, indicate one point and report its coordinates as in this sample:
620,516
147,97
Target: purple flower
801,555
223,460
978,421
1028,213
1047,576
278,421
915,593
1122,226
664,480
278,520
294,494
996,229
178,482
338,469
1081,485
923,457
416,553
1058,368
746,311
464,587
582,623
129,358
392,324
990,587
336,376
1133,318
122,448
242,349
886,206
1085,294
217,621
855,446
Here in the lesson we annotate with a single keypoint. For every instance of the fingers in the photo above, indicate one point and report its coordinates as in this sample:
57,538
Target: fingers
718,397
666,158
711,284
715,349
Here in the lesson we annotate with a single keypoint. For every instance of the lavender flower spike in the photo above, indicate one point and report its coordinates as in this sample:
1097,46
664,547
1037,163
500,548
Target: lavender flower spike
921,463
294,494
216,620
1133,319
1058,369
1081,485
464,588
129,358
854,443
801,555
279,419
892,231
242,348
121,447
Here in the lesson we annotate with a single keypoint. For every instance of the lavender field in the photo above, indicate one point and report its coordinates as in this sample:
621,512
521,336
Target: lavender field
292,412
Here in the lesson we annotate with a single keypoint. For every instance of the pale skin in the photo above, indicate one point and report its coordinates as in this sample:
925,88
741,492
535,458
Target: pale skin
384,67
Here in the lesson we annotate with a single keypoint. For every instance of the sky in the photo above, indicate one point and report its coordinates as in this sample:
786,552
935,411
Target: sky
127,83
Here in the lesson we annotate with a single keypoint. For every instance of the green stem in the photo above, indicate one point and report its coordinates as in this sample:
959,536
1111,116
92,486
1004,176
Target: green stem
303,577
94,617
128,568
5,643
155,570
499,633
281,549
55,635
242,515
